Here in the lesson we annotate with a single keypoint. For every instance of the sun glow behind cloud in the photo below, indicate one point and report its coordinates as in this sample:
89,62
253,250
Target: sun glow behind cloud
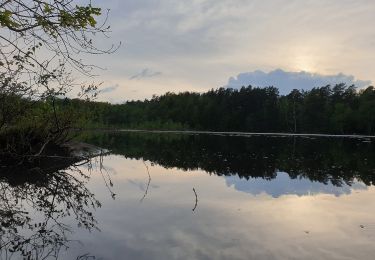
305,62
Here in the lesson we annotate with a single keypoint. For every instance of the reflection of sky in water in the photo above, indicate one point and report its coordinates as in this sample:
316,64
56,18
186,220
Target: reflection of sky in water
227,223
283,185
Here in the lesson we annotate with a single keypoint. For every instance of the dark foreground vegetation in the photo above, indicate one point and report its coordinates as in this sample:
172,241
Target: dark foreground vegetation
40,45
339,109
31,129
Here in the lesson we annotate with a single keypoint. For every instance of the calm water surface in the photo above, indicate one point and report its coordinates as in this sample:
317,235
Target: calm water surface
171,196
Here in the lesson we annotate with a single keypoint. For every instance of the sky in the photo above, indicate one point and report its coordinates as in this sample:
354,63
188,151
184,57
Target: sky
197,45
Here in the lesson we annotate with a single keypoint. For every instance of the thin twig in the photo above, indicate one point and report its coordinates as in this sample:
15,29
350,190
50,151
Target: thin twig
196,200
101,168
148,184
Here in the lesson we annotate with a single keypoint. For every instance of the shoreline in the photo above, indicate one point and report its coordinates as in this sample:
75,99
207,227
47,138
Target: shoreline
64,156
224,133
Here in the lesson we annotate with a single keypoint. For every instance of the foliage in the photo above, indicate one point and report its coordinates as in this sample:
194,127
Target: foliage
41,43
332,110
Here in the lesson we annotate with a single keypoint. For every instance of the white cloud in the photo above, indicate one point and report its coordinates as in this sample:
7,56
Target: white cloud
287,81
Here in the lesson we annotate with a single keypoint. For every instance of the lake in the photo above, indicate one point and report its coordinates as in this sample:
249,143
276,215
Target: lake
198,196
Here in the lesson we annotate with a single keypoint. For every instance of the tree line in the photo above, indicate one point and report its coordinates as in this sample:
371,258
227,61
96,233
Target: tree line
30,126
338,109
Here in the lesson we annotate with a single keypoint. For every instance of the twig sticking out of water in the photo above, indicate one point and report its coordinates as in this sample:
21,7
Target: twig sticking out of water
196,200
108,183
148,183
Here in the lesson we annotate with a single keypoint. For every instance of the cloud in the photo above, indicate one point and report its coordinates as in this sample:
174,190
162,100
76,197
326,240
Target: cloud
145,73
199,44
287,81
284,185
109,89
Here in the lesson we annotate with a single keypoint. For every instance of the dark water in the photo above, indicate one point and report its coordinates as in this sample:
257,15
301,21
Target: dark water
173,196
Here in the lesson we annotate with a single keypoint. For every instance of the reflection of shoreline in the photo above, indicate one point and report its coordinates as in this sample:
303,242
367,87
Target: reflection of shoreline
327,160
284,185
241,134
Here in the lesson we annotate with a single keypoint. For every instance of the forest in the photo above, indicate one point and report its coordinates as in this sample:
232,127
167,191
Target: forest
338,109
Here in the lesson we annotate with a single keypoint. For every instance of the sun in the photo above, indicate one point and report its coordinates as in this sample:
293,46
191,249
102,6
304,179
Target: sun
305,62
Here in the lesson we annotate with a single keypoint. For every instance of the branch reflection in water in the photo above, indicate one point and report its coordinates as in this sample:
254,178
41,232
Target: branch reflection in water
36,204
148,183
196,200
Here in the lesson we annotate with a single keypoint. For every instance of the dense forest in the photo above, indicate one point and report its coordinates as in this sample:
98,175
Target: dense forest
338,109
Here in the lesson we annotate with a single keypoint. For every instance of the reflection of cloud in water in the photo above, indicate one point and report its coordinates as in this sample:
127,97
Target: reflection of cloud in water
284,185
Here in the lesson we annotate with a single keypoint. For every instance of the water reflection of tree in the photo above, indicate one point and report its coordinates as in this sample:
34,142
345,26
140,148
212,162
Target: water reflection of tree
326,160
33,210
